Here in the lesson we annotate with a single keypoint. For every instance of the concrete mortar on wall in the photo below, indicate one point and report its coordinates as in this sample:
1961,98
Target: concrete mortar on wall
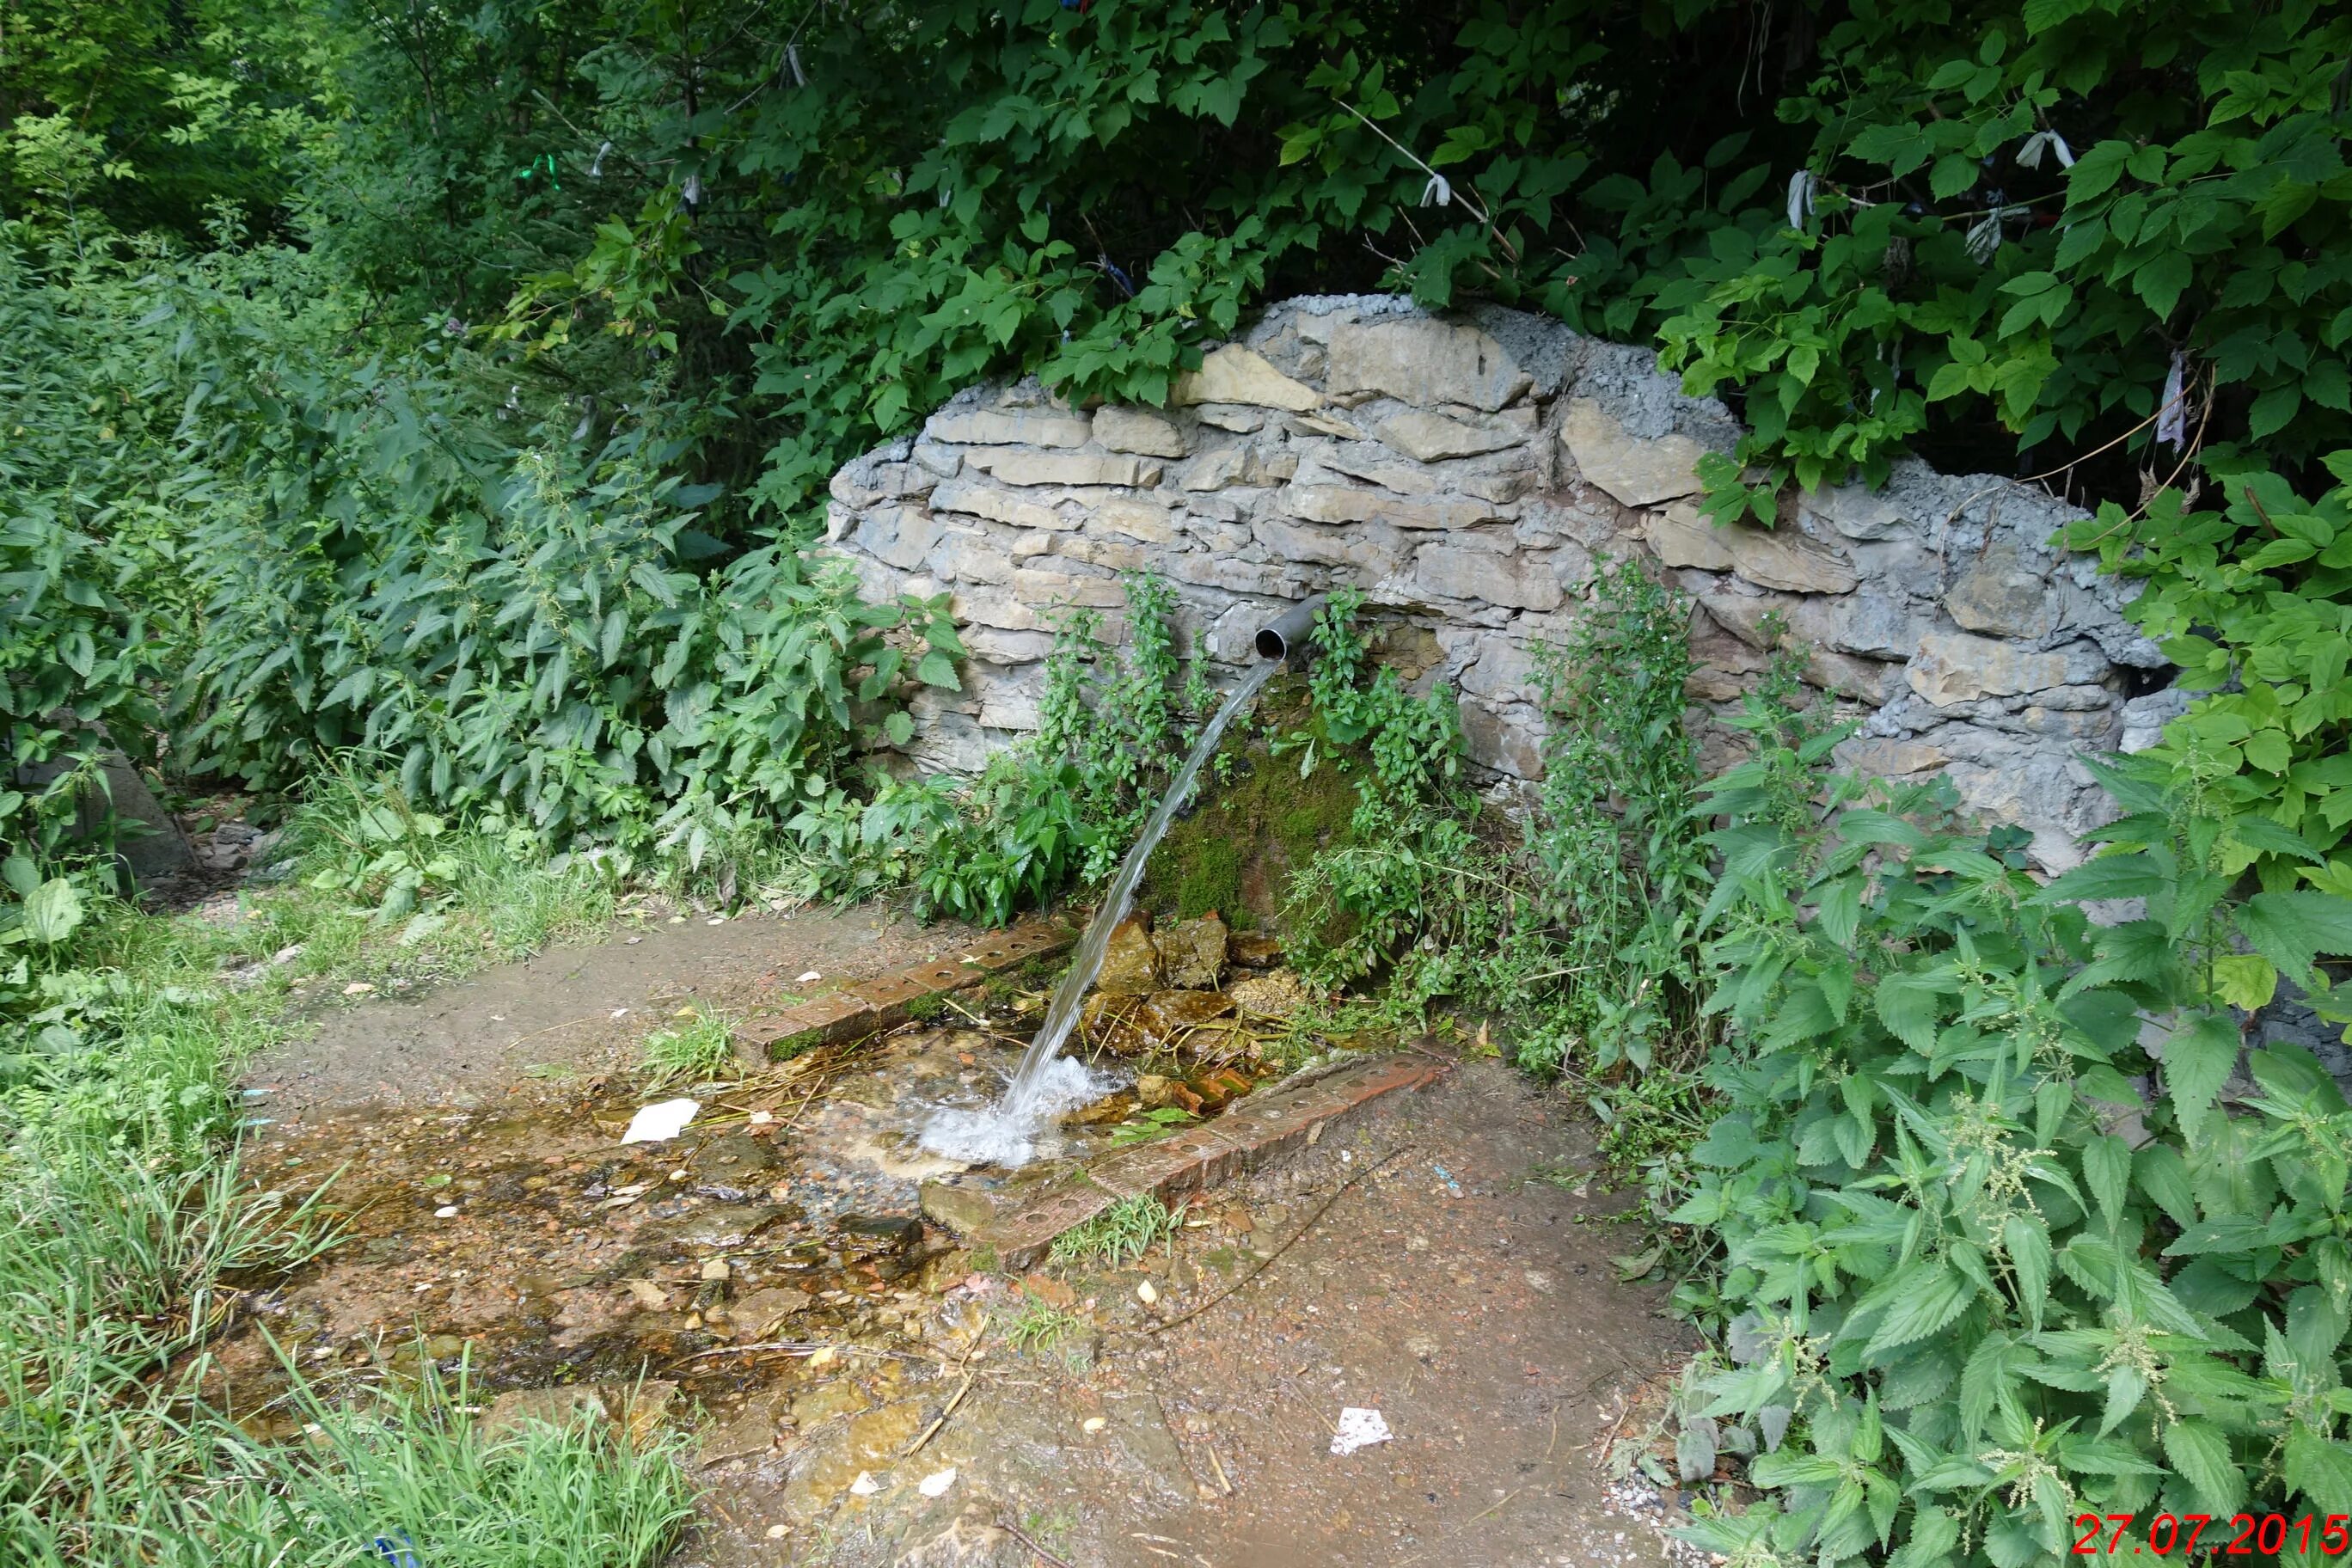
1466,472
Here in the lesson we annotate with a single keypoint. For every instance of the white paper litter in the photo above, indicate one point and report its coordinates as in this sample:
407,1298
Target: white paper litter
1358,1428
809,978
865,1485
937,1483
664,1119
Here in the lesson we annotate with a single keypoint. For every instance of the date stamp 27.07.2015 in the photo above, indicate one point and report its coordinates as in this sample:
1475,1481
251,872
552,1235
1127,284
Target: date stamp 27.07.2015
2241,1535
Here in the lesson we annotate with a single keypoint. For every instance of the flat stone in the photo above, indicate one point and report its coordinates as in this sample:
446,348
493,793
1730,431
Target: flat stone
1683,536
1891,759
1019,466
1421,360
1374,549
1856,512
967,555
1254,950
1232,416
1495,741
898,536
960,1208
1959,667
1147,521
1130,966
1347,503
1209,569
729,1225
1487,576
2004,594
1370,463
1243,375
1193,953
1125,429
1770,558
1034,586
878,1434
1636,471
759,1313
1009,427
1429,438
977,500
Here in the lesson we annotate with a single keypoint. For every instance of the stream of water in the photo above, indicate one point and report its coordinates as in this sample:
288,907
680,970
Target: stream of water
1046,1084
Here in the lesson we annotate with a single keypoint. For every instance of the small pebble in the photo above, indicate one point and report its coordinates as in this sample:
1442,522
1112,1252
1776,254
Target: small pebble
446,1211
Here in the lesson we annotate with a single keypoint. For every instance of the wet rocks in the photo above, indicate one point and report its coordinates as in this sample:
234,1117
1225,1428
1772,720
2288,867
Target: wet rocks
958,1206
1167,1016
970,1540
1274,996
1131,964
1193,953
730,1224
761,1312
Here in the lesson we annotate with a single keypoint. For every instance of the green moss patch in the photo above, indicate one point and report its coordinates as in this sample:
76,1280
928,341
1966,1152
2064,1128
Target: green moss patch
1255,821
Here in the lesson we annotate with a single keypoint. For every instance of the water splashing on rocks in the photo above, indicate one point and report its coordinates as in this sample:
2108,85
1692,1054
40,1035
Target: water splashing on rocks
1045,1085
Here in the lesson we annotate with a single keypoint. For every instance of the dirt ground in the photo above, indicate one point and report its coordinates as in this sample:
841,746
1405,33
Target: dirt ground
850,1380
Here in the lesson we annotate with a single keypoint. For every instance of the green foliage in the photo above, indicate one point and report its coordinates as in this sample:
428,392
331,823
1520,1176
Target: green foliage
80,656
1410,885
1069,800
2250,601
1040,1326
1615,838
1963,1306
1120,1234
697,1050
1145,1126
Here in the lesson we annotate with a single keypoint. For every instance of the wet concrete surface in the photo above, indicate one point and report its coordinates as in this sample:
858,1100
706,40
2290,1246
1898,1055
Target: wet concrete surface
765,1283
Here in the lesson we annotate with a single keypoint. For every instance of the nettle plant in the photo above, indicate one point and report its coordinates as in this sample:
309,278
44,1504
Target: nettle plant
2007,1239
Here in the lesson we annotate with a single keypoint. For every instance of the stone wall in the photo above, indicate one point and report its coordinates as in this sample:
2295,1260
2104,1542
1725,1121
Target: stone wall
1466,472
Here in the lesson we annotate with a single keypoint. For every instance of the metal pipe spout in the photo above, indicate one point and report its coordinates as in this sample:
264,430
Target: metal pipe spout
1290,637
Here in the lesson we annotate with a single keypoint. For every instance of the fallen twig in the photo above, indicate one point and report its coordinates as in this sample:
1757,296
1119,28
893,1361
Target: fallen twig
1025,1539
1275,1254
956,1398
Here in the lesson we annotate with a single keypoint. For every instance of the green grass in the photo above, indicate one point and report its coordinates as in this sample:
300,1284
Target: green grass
130,1220
1040,1326
1120,1234
695,1052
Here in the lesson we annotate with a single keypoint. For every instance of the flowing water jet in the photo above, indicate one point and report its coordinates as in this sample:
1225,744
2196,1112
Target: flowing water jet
1046,1083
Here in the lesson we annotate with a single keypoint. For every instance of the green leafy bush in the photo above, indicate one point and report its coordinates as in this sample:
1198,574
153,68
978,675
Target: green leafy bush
1975,1280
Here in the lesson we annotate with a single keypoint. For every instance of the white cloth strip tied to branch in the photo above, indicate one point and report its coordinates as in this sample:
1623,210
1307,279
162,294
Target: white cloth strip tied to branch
1437,193
2172,418
1802,188
2030,155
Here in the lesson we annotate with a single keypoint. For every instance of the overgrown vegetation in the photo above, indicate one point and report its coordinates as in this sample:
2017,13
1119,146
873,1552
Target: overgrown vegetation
1976,1283
423,416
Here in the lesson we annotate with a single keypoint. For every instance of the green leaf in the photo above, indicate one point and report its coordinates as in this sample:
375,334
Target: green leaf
53,911
2196,1061
1922,1301
2201,1455
2320,1468
2028,1240
936,669
2106,1171
2290,928
1906,1002
899,727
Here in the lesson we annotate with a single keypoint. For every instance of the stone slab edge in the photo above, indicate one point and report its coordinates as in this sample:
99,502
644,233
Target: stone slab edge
871,1005
1255,1134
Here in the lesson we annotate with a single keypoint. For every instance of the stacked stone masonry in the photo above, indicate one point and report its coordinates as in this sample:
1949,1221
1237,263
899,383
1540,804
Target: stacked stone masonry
1467,473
